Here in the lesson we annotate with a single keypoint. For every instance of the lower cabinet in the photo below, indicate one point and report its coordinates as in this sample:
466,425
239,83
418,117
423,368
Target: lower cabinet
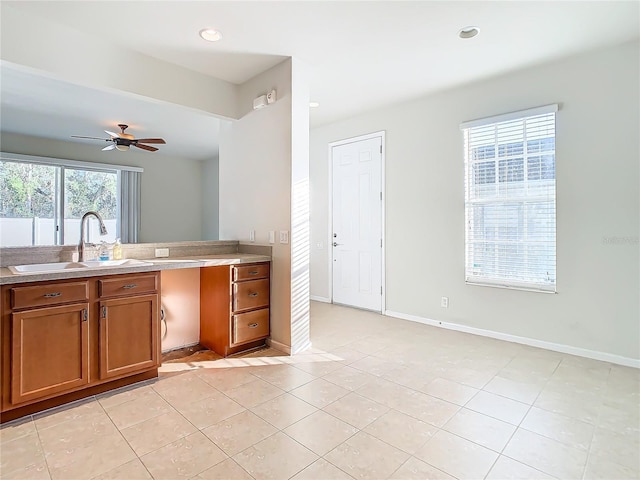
61,339
128,335
234,307
49,351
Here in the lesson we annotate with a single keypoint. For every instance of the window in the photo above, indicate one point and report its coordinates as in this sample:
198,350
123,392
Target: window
510,200
42,200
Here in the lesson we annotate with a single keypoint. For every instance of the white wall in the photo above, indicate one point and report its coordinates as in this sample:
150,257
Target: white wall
255,182
171,191
71,55
256,164
210,179
597,155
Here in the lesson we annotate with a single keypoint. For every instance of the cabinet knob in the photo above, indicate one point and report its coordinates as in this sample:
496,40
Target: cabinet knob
253,294
253,272
253,325
129,286
52,295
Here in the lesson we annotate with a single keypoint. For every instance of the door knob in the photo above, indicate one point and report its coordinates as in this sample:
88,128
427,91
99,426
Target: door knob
335,244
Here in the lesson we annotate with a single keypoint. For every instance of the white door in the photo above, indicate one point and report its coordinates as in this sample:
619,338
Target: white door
357,223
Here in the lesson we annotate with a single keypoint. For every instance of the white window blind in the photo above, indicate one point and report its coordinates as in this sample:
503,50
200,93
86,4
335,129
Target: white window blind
510,200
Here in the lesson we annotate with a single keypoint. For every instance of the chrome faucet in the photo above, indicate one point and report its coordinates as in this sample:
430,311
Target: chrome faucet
83,228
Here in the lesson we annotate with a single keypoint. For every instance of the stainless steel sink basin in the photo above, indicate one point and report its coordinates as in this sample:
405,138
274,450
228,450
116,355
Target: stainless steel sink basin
38,268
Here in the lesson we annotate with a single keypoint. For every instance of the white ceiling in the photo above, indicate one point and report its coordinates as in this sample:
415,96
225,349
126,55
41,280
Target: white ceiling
49,108
362,55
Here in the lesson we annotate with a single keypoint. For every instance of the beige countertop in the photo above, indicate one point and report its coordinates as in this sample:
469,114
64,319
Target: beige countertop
152,265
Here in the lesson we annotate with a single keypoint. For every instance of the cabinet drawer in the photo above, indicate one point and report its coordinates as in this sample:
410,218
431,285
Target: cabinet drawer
250,326
128,285
43,295
250,272
251,294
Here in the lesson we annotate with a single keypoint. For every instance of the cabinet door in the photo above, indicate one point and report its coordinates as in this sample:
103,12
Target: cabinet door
49,351
128,335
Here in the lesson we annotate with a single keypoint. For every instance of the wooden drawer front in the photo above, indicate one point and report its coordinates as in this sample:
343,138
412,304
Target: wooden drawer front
250,272
47,294
249,295
128,285
250,326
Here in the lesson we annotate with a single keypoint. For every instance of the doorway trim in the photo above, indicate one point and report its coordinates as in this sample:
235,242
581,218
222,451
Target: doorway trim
337,143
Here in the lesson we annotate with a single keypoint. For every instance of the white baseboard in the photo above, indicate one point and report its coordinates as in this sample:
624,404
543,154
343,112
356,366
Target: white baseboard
556,347
279,346
286,348
305,346
315,298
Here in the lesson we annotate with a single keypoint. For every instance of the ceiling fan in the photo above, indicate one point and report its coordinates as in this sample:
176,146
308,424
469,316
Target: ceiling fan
122,141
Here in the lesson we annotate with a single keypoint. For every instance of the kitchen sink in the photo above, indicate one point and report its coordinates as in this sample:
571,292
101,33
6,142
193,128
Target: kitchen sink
38,268
113,263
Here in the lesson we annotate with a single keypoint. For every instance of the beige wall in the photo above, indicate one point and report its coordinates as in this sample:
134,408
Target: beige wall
181,304
256,165
68,54
171,191
210,179
597,304
255,182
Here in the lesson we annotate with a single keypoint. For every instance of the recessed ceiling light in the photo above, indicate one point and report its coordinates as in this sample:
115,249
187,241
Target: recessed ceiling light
211,34
314,104
468,32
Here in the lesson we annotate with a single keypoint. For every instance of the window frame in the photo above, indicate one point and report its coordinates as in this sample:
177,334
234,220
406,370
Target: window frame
504,200
63,164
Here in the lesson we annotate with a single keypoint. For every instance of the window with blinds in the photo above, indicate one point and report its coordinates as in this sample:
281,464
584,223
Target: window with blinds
510,200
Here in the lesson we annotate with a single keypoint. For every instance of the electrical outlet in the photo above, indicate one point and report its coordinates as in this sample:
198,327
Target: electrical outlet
284,236
252,235
444,302
162,252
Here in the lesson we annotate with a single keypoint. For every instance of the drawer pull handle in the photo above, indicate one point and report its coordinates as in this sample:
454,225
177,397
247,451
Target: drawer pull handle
52,295
253,272
254,294
131,285
253,325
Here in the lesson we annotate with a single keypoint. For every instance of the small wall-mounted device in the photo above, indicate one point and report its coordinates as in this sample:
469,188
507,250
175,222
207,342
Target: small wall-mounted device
260,102
271,97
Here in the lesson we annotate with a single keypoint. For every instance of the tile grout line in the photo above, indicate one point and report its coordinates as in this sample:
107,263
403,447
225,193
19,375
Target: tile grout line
126,441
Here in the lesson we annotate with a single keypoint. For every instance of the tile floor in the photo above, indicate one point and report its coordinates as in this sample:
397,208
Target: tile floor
376,398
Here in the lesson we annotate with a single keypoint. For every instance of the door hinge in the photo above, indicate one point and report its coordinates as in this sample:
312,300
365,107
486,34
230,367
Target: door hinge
380,243
85,316
380,148
380,289
380,196
104,312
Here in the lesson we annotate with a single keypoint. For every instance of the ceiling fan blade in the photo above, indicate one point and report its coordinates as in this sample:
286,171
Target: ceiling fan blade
115,135
109,147
145,147
92,138
150,140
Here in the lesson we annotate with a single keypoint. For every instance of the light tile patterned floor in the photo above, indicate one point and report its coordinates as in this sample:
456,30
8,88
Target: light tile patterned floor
375,398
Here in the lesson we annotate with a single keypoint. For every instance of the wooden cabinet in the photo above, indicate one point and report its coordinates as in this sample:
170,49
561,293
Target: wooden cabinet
49,351
234,307
129,339
128,335
64,340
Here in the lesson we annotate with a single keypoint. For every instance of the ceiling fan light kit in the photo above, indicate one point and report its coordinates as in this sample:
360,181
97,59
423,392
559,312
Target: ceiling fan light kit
122,141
